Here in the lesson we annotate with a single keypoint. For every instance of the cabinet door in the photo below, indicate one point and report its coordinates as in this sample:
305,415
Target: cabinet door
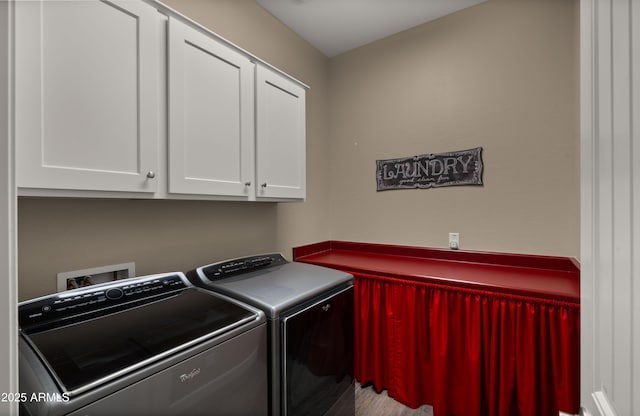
280,136
211,123
86,102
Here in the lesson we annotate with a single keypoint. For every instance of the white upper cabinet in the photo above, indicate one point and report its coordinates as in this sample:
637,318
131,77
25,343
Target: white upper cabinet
124,98
86,104
211,116
280,136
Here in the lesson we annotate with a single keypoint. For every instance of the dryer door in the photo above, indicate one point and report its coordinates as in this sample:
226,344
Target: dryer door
318,355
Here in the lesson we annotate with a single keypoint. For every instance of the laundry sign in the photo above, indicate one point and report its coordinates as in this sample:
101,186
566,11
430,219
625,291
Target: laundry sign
432,170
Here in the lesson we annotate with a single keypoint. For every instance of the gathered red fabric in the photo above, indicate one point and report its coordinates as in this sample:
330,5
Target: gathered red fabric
467,352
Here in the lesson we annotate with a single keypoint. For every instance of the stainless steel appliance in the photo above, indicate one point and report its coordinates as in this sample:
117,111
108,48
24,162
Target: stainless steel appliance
310,322
154,345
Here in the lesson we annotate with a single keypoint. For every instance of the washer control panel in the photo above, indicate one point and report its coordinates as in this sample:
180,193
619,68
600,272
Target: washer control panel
62,308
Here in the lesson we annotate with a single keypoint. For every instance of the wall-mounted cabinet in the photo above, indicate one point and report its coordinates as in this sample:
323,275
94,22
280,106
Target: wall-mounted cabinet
211,123
90,108
86,102
280,133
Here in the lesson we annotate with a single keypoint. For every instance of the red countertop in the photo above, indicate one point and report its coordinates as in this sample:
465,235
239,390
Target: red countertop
547,277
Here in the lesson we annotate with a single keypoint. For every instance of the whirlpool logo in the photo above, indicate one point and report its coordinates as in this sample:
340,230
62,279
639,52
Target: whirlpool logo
190,375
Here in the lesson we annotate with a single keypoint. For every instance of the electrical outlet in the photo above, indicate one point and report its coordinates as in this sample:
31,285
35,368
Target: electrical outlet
454,241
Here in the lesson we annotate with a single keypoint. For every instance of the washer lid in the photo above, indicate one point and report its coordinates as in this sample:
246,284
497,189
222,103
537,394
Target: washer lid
86,354
277,288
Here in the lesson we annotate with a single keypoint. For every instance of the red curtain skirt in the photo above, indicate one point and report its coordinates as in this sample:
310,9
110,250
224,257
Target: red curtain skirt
467,352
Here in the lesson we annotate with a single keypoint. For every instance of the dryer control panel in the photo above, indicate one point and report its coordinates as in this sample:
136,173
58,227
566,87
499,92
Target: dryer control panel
242,265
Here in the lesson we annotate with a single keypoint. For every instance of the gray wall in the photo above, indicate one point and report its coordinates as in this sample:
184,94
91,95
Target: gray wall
502,75
57,235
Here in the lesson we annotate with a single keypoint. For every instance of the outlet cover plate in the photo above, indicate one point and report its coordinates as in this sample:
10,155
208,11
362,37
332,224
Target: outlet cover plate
454,241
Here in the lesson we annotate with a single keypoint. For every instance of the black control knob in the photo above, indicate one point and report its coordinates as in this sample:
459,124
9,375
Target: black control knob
114,293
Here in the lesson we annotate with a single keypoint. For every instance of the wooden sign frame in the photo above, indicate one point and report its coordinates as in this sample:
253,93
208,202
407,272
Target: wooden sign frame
433,170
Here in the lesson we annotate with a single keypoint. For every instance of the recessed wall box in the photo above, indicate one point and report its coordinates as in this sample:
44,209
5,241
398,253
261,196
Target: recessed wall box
87,277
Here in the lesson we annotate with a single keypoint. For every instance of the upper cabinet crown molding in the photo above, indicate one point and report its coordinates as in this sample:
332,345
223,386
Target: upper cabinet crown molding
97,82
168,11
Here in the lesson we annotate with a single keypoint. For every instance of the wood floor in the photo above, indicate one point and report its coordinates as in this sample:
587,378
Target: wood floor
370,403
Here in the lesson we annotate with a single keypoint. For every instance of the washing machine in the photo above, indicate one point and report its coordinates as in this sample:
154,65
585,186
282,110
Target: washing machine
154,345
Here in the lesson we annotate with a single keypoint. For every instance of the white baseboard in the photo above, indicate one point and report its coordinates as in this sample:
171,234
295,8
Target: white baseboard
585,412
604,405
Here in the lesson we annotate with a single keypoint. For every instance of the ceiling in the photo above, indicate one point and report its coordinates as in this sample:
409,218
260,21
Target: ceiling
336,26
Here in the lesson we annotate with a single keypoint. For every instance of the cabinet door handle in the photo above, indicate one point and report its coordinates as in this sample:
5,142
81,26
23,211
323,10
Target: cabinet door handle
247,184
264,185
151,174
